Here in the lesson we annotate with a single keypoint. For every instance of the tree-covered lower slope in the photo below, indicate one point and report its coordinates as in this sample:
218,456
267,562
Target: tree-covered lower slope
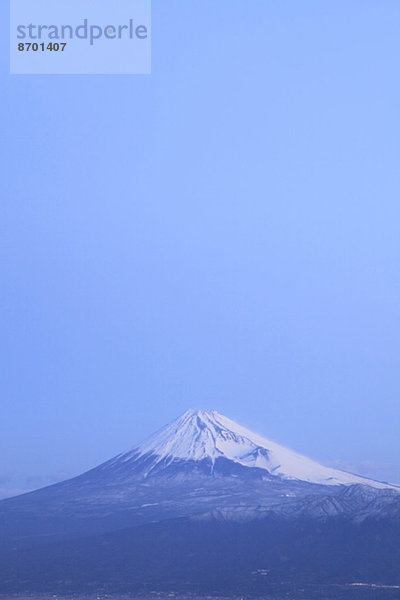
215,556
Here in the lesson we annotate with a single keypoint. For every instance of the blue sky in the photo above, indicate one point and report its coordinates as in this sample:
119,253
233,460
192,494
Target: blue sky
222,234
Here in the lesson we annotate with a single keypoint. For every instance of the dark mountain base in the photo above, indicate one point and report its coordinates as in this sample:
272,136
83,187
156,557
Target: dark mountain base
308,592
272,557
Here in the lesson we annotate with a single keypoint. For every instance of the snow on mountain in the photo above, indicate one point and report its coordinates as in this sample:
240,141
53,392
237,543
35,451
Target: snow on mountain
208,435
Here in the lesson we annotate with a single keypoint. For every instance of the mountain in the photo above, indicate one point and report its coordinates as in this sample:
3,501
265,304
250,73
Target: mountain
200,463
205,505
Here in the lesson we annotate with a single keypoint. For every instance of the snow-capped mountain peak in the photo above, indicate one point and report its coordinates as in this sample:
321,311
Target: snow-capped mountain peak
199,435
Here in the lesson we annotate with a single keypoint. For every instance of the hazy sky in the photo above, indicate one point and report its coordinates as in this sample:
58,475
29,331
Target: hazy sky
222,234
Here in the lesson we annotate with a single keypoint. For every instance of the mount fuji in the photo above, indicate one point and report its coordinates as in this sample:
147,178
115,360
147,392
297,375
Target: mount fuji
203,504
203,463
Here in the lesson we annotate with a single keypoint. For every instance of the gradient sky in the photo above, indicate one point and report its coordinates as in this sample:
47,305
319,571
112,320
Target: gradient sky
221,234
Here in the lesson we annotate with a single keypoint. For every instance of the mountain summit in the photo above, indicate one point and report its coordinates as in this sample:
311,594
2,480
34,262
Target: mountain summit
202,435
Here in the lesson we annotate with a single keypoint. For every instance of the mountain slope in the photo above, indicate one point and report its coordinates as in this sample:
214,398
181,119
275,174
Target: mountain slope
268,558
